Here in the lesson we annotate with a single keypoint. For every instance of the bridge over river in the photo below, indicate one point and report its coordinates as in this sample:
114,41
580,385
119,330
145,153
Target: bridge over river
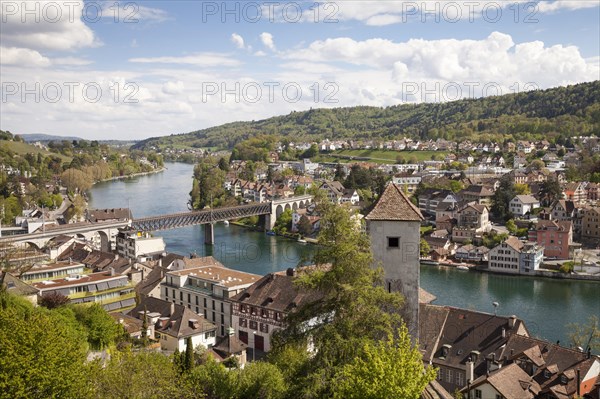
105,232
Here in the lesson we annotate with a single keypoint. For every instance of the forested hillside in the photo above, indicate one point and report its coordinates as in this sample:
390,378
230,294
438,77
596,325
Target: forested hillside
567,111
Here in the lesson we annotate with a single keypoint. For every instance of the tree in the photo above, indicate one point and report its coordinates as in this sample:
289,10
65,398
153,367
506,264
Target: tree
502,197
550,191
54,300
522,189
284,223
586,335
189,361
511,226
75,180
102,329
260,380
389,368
312,152
223,164
210,178
138,375
305,227
353,309
41,355
340,174
424,248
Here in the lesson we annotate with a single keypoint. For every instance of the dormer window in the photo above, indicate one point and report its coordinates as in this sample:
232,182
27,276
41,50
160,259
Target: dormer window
446,350
546,374
474,356
563,379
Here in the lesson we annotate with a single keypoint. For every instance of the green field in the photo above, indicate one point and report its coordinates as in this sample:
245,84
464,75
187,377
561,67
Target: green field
24,148
380,156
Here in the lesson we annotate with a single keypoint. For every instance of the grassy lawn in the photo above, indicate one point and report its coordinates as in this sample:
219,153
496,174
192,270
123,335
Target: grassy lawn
24,148
387,156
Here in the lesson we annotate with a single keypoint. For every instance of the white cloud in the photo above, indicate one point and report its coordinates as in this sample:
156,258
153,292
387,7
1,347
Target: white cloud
201,59
47,25
267,40
552,6
381,13
237,40
22,57
173,87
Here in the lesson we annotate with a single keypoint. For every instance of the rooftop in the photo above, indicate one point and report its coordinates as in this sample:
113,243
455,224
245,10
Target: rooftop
393,204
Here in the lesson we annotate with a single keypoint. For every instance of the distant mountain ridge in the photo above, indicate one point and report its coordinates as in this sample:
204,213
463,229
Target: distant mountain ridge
33,137
567,111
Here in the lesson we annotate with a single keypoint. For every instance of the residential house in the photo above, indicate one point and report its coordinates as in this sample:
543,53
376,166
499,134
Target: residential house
314,220
230,346
519,161
206,289
58,245
509,382
555,237
261,309
334,190
478,193
593,192
575,191
569,211
473,221
471,253
51,271
350,196
551,371
459,342
173,324
513,256
409,181
430,198
108,215
138,245
112,291
590,226
522,205
15,286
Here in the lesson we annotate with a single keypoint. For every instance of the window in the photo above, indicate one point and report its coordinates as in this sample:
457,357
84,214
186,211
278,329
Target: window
393,242
253,325
478,394
448,375
166,293
499,397
209,334
189,298
180,296
460,379
204,302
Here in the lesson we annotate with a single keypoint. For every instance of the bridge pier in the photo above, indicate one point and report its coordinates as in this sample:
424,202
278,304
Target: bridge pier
209,234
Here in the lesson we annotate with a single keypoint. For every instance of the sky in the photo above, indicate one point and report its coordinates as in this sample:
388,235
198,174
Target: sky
138,69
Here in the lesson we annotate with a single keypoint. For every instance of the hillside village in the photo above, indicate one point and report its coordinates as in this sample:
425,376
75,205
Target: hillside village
549,228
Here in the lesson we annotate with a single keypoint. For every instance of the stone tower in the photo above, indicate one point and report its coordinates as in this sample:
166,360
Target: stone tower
394,227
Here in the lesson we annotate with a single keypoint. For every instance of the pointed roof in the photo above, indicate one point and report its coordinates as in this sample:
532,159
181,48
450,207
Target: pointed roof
393,204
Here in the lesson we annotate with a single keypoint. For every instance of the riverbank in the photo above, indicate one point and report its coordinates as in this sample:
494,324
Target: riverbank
132,175
294,237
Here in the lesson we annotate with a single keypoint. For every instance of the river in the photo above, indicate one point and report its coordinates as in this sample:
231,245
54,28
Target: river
546,305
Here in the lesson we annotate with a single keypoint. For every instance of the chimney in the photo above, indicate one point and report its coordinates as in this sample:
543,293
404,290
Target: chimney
116,256
578,383
172,310
503,332
193,323
470,370
111,270
589,352
160,261
512,321
173,323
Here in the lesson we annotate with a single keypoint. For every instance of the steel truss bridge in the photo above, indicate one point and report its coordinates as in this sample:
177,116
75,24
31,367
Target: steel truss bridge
177,220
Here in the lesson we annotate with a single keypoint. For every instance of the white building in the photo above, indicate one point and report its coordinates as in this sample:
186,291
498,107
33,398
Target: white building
205,286
515,257
139,246
521,205
173,324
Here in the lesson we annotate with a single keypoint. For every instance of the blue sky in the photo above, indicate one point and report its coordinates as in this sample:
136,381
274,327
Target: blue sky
160,67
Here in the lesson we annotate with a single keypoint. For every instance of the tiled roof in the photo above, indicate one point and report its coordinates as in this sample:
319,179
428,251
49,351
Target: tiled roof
15,286
276,291
512,382
179,324
393,204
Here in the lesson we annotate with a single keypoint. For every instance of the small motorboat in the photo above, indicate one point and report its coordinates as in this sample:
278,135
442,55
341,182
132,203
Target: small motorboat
301,240
270,233
462,267
226,222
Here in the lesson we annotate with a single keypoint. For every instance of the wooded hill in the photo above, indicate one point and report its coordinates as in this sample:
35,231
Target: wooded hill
567,111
